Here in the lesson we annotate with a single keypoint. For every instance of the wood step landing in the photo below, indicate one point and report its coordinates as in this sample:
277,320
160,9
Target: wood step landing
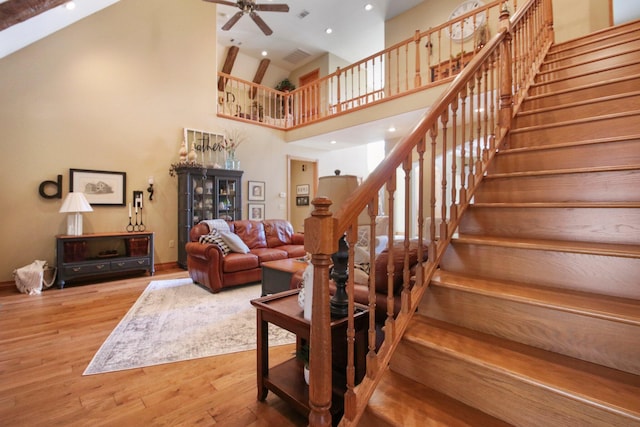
579,109
615,86
579,266
590,327
595,153
585,77
519,384
601,223
596,39
602,126
401,402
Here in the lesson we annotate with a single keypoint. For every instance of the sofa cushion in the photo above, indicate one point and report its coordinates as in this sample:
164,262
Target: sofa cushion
239,262
215,238
269,254
234,242
278,232
293,251
398,263
251,233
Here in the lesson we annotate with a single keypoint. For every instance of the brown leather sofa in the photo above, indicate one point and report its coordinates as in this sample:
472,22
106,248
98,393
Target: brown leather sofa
267,240
361,285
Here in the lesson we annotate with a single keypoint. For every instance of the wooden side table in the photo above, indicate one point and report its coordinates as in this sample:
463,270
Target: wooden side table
286,379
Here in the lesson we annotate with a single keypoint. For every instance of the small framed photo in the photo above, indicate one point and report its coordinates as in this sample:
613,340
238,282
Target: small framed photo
256,211
302,201
101,188
256,191
302,190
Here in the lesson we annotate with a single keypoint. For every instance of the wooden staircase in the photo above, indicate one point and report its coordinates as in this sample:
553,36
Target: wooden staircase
533,318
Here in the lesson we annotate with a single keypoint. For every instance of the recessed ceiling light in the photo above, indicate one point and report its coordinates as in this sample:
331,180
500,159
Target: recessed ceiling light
265,53
70,5
328,31
368,7
333,142
392,129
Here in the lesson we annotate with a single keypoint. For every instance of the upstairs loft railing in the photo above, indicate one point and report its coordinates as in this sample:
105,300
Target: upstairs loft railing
427,59
433,172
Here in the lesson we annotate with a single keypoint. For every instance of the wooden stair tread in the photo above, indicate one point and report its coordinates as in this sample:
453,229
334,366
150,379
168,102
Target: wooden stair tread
577,64
625,251
551,146
400,401
577,205
609,389
590,169
615,309
632,36
579,103
625,28
582,87
628,114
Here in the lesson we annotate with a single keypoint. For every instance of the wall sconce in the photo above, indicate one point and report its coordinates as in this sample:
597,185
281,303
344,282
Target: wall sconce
150,188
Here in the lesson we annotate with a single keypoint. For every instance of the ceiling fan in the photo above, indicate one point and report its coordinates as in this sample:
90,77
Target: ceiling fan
250,7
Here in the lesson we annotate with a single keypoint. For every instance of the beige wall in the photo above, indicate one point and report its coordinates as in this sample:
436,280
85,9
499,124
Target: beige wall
113,92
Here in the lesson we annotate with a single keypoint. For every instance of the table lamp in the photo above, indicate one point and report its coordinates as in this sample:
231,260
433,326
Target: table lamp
75,202
338,188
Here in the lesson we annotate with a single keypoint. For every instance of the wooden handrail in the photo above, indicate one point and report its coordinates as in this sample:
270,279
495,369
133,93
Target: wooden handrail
444,157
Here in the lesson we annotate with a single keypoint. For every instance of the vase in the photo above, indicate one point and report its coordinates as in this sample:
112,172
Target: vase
230,161
306,374
307,278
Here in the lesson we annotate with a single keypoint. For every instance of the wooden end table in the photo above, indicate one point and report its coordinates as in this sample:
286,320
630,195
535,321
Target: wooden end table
286,379
276,275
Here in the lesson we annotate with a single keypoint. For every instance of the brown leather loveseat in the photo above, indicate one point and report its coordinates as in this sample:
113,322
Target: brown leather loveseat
266,240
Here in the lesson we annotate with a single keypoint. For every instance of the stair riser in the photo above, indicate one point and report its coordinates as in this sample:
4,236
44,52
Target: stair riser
558,53
494,391
613,186
575,131
606,275
597,39
597,60
605,342
597,225
618,153
621,104
584,79
584,94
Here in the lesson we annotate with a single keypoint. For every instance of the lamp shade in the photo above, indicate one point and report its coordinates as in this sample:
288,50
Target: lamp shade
338,188
75,202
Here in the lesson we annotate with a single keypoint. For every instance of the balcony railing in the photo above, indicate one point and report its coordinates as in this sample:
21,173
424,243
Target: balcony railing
427,59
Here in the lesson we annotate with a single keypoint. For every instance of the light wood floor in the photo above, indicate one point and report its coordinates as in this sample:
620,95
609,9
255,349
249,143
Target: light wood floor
47,341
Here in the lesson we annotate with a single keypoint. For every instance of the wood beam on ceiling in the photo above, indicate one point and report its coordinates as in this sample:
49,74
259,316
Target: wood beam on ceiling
13,12
262,69
228,65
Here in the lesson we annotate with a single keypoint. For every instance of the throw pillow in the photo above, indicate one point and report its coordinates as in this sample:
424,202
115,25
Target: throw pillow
215,238
217,224
234,242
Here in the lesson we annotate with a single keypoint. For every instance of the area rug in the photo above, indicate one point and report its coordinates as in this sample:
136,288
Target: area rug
175,320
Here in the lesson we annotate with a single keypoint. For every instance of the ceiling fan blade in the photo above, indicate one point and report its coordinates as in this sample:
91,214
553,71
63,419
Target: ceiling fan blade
263,25
231,22
226,3
272,7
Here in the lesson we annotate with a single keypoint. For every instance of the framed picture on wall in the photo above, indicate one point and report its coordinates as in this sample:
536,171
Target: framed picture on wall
302,190
256,191
302,201
256,211
101,188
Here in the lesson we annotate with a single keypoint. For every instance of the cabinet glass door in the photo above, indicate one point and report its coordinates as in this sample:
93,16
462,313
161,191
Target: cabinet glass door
202,203
226,202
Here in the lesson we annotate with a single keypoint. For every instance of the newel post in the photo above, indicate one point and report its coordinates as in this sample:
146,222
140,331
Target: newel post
320,243
506,73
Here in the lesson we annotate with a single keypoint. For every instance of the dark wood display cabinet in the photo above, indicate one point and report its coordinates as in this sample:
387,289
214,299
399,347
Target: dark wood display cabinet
90,256
205,193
